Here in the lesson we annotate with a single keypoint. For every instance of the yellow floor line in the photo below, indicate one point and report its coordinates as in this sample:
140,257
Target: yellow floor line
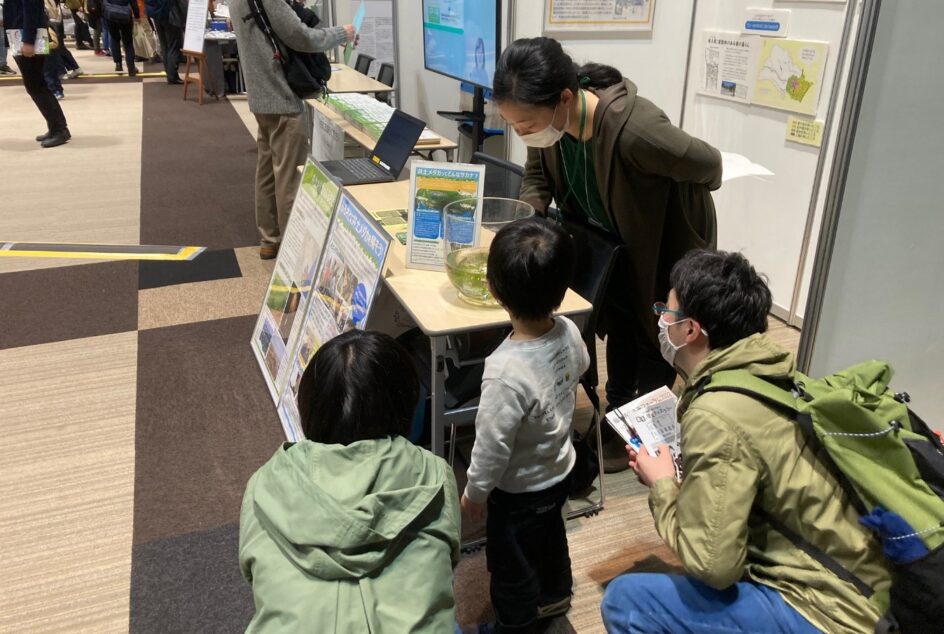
98,251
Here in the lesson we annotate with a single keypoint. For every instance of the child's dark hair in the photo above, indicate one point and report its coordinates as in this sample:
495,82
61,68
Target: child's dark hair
360,385
723,293
530,266
535,71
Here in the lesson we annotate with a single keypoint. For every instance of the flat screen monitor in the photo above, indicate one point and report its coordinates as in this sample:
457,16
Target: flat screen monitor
461,39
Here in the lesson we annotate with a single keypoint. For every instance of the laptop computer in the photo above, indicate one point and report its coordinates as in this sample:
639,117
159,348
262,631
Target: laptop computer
389,156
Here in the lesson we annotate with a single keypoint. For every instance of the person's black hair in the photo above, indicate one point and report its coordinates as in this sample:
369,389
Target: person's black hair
530,266
535,71
359,386
723,293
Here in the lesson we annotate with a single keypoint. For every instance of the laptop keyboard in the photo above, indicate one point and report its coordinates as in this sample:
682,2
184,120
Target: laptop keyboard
363,168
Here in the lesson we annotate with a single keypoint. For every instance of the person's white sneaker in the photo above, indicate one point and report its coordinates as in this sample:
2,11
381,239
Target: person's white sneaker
72,74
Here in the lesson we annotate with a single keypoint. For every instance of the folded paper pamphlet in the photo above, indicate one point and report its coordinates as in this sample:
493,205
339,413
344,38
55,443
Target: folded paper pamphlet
650,421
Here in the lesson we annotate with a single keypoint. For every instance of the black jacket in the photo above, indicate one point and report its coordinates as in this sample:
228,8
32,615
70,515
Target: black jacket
27,15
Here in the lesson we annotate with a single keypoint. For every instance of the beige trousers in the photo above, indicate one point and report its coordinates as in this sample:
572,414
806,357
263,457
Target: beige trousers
282,146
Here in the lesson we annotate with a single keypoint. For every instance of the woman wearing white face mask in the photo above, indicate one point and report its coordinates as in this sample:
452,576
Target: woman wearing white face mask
611,159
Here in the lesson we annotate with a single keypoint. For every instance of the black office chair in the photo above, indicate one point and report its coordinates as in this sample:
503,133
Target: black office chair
597,254
362,65
385,75
502,178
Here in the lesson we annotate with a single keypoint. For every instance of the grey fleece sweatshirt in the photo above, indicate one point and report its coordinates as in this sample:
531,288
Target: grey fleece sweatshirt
265,80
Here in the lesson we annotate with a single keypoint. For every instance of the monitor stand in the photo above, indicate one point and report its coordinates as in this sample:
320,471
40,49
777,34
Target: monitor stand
471,124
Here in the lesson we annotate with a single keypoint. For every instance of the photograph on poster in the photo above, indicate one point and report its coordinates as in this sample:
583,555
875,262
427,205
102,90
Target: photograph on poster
563,16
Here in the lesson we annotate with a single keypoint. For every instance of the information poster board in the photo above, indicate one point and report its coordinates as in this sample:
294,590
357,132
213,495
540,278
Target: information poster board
345,286
195,29
376,32
327,137
729,66
563,16
289,291
433,186
775,72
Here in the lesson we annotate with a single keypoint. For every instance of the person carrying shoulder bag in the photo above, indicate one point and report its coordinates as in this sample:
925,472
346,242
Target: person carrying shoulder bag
119,16
282,138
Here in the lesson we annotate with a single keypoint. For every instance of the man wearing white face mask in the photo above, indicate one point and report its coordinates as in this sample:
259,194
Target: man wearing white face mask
610,159
750,480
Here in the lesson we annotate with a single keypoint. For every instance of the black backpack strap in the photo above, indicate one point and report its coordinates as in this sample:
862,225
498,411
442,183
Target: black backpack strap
816,553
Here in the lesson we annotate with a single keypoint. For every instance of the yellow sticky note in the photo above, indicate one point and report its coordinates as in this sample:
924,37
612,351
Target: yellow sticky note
805,131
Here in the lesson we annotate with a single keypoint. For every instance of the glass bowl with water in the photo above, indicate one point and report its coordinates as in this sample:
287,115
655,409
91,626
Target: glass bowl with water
466,265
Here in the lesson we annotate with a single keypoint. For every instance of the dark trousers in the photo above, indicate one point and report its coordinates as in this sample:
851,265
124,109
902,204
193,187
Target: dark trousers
82,35
171,39
634,363
122,34
53,70
65,55
527,554
31,68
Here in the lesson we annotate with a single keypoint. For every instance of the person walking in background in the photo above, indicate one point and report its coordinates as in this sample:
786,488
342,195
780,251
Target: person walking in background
281,141
119,17
28,17
4,66
93,11
61,62
83,38
169,17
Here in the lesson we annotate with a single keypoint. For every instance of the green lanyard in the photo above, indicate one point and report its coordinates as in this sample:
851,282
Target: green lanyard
581,146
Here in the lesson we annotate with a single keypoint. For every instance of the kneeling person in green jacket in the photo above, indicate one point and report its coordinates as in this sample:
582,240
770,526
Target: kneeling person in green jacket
746,467
354,529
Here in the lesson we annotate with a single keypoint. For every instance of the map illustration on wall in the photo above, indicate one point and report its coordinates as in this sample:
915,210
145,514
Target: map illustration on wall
790,75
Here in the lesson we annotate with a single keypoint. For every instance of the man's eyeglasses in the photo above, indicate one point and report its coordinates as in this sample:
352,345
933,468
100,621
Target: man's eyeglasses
660,308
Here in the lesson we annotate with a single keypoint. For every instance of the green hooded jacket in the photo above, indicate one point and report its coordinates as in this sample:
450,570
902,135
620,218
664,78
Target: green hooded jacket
739,454
360,538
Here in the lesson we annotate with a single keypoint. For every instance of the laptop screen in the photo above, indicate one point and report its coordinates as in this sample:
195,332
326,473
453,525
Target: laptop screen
396,143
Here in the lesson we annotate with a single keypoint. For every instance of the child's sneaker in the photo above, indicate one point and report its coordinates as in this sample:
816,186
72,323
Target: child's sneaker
6,70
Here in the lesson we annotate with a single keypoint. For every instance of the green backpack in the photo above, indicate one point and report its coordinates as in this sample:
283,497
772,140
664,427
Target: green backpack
886,460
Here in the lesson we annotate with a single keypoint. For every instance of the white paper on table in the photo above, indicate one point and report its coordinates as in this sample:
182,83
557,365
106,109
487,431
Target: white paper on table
739,166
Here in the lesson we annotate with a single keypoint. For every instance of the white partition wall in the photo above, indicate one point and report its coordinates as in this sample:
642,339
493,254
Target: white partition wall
878,289
766,219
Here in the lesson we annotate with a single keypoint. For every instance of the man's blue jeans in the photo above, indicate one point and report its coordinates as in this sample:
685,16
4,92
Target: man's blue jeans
637,603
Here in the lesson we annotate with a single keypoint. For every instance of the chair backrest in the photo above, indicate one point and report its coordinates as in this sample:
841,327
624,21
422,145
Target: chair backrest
362,65
385,75
502,178
597,253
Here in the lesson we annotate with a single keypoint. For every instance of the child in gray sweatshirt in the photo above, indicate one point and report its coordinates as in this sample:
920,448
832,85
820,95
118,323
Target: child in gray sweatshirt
523,455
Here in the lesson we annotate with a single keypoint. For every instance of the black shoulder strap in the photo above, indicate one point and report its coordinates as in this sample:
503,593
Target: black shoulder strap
816,553
258,14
